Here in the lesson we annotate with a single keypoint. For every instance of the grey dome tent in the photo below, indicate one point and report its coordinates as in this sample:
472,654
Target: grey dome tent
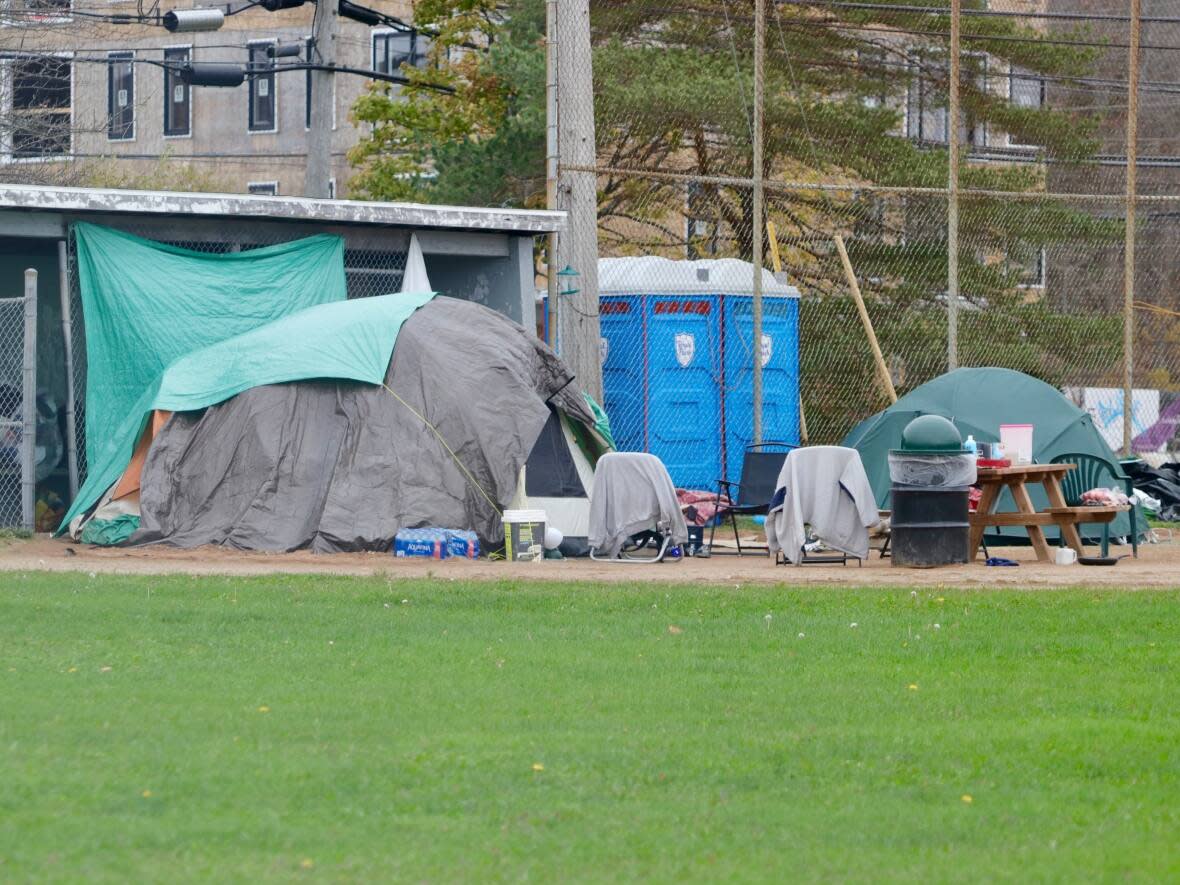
331,464
978,401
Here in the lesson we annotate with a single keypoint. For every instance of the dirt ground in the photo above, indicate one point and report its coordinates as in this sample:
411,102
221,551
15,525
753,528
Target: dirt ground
1158,565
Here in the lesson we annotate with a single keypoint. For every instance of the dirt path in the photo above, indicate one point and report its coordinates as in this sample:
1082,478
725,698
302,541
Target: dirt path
1157,566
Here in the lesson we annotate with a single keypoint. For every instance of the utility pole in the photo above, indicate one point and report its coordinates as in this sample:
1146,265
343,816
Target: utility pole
1129,249
552,154
325,29
759,210
952,209
577,194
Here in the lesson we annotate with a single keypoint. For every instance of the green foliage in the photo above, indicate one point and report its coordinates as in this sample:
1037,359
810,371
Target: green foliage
162,174
481,145
364,730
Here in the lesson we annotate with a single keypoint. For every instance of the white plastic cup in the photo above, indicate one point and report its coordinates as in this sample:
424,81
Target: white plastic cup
1066,556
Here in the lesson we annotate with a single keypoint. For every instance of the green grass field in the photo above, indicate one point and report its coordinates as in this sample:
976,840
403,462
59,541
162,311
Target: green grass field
347,730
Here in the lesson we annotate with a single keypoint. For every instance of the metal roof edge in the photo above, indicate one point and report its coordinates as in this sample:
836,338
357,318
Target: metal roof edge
411,215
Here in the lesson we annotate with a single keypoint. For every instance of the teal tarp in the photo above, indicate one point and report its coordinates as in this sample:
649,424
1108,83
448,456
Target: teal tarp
978,401
148,305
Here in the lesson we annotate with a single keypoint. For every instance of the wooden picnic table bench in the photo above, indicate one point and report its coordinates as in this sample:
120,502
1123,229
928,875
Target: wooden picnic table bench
993,480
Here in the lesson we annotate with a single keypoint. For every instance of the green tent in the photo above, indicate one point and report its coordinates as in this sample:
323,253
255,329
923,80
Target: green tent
978,401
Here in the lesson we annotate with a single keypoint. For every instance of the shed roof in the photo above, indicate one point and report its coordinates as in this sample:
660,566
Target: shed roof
410,215
651,275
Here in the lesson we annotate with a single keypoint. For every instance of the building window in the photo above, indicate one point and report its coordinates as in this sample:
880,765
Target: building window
39,11
926,112
1030,265
392,49
177,94
121,96
263,188
1025,90
263,110
39,106
700,222
874,65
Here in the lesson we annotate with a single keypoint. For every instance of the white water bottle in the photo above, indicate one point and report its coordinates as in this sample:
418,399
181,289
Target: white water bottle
971,446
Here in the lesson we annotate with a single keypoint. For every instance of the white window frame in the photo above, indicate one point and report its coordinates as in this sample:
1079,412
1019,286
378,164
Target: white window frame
273,184
191,95
1012,73
385,32
6,157
123,55
917,80
250,92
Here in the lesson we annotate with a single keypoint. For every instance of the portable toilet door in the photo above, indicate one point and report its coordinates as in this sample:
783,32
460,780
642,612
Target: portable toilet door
779,353
684,401
624,369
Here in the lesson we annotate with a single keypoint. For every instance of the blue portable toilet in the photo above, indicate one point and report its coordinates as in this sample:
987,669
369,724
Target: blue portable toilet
678,351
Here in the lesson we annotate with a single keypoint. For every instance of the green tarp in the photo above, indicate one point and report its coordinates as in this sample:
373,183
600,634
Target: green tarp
149,306
978,401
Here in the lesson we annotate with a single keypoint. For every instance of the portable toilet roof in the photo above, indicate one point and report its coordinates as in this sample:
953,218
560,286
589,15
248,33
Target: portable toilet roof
652,275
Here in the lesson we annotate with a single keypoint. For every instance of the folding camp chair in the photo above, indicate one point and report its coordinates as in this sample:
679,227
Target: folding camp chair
751,495
634,514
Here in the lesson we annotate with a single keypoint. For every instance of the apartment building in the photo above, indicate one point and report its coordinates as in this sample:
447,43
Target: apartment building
79,86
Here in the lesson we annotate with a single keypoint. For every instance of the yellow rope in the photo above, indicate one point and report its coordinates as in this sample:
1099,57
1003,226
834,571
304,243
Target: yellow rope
450,451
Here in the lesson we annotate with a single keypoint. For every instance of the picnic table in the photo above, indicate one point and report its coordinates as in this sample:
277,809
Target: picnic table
993,480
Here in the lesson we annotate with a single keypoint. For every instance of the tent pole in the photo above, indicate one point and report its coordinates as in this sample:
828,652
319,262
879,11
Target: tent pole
878,359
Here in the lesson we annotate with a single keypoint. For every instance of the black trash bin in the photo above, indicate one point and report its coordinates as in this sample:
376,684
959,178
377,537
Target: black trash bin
929,526
931,477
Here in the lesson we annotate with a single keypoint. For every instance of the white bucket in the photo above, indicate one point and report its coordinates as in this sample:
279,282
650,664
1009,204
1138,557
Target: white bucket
524,535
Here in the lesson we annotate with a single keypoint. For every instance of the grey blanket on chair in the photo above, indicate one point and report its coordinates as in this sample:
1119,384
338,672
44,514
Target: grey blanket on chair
632,493
825,487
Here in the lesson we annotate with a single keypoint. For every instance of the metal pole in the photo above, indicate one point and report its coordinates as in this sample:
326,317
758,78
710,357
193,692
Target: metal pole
67,332
1129,249
325,29
551,164
29,405
759,211
952,214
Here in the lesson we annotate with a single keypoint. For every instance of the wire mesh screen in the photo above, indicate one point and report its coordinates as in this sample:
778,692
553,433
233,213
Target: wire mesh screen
369,270
856,143
12,412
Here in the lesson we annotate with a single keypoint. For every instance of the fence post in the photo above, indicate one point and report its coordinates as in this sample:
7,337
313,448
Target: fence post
1129,257
67,331
952,214
29,404
759,210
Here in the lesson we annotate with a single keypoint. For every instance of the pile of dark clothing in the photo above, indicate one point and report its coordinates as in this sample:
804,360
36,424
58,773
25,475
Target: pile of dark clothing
1161,483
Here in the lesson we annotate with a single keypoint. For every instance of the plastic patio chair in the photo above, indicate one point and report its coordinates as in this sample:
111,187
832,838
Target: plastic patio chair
1095,472
751,495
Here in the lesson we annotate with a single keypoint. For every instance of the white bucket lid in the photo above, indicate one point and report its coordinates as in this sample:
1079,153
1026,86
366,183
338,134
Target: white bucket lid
524,516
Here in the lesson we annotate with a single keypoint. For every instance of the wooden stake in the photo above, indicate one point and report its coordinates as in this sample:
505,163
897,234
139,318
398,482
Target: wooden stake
882,369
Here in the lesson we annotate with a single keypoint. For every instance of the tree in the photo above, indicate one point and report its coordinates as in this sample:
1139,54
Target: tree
855,96
483,144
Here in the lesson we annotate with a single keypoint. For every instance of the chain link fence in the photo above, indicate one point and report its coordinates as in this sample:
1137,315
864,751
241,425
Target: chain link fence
18,357
856,143
373,265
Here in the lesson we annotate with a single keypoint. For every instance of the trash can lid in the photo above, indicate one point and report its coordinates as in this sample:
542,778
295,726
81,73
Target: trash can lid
931,435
